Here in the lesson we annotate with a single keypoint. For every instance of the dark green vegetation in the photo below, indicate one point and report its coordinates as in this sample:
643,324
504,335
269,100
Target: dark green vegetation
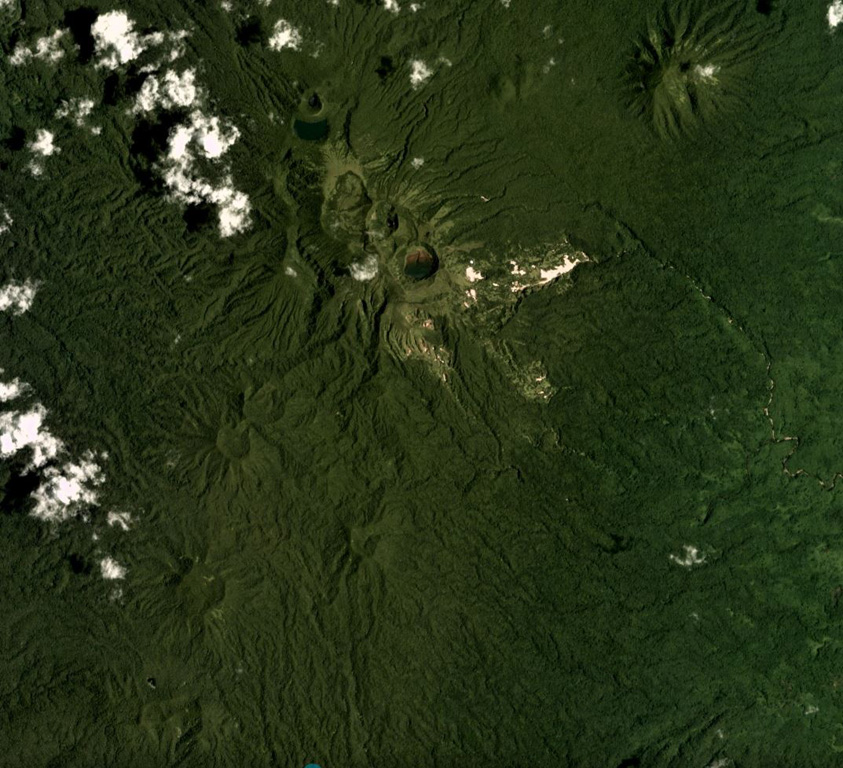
695,60
345,555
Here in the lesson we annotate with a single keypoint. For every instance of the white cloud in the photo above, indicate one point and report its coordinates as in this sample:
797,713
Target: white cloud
234,209
420,72
43,144
6,4
392,5
835,13
64,489
111,569
177,47
284,35
472,274
691,556
366,269
17,297
153,38
76,109
417,162
202,136
25,429
47,48
11,390
118,43
177,38
211,139
123,519
168,91
707,72
5,221
115,39
720,762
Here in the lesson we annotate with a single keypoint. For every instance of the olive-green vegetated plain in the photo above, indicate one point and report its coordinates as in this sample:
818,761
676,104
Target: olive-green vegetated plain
589,519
